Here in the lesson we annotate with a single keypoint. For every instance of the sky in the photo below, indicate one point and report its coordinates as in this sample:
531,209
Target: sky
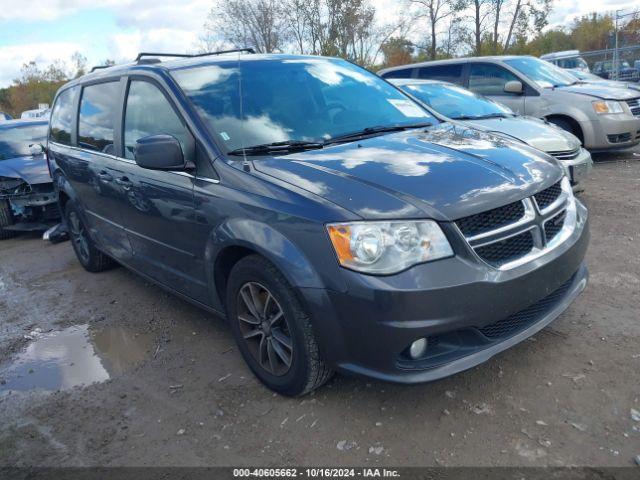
46,30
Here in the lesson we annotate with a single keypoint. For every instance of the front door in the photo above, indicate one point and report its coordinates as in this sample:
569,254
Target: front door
158,213
489,79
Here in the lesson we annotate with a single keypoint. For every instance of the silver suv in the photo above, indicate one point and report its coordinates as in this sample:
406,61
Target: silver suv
604,118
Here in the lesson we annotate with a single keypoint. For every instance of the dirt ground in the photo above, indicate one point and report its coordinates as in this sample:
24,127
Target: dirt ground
106,369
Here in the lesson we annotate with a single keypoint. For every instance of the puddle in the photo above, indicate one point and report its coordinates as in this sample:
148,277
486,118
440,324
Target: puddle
74,356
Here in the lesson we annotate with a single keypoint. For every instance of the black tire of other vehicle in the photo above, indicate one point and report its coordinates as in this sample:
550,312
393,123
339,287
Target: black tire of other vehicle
5,221
308,370
565,125
92,259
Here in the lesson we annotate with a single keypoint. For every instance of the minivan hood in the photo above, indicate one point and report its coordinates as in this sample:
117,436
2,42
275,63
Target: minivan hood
445,172
601,91
533,131
33,170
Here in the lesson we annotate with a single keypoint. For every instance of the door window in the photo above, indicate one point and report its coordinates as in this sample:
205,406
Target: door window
97,117
62,117
446,73
150,113
487,79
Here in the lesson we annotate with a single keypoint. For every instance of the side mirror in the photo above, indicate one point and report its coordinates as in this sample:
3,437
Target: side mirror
36,149
514,86
160,152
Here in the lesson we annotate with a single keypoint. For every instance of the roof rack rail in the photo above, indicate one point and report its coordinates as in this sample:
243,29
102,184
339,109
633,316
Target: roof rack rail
186,55
98,67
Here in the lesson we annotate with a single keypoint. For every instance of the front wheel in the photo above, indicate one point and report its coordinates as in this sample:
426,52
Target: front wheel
273,332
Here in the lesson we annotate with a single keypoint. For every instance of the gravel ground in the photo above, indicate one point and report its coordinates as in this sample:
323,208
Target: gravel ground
108,369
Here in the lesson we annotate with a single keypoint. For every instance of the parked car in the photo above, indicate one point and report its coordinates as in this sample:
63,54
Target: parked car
27,198
603,118
5,116
567,59
335,222
591,78
605,70
36,113
482,113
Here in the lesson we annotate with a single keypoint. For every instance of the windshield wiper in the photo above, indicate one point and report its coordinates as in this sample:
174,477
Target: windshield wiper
284,146
365,132
482,117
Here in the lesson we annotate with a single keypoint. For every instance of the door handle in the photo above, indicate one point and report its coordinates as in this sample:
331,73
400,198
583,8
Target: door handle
124,182
104,176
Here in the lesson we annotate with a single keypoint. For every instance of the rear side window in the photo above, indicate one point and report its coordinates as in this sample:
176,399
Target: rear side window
150,113
402,73
446,73
62,117
97,116
488,79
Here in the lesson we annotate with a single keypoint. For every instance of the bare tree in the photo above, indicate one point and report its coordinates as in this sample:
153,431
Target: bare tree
435,11
248,23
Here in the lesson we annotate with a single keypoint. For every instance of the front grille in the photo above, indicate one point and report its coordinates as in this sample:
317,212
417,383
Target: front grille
565,154
504,251
491,219
548,196
553,226
634,105
521,320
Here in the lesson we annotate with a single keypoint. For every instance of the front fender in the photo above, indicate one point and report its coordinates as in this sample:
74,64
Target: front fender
266,241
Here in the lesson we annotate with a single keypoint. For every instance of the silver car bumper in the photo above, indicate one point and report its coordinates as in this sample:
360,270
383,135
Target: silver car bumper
578,168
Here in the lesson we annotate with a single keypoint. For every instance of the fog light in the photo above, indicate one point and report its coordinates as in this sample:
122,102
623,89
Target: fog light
417,348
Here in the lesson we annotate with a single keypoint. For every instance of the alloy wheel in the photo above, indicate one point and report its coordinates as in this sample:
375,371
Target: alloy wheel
79,236
264,328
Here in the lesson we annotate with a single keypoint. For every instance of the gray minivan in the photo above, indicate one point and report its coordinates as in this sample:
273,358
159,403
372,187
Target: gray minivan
604,118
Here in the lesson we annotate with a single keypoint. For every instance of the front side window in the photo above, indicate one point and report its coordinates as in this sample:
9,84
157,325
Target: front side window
98,108
543,74
255,102
445,73
62,117
489,79
456,102
402,73
15,141
148,112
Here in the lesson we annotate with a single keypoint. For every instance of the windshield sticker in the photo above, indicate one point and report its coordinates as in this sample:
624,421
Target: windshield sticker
407,108
225,136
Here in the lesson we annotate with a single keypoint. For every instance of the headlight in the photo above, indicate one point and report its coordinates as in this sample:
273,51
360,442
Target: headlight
608,106
387,247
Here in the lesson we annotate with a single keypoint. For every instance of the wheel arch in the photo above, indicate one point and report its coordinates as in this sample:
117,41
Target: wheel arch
237,238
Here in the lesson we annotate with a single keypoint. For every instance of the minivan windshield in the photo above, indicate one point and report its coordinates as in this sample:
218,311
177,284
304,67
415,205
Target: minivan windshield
15,140
456,102
544,74
264,100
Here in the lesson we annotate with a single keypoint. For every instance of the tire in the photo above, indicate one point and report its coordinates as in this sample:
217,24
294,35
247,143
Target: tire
5,221
266,351
92,259
565,125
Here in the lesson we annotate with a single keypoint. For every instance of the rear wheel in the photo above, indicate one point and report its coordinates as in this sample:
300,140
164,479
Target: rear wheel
92,259
6,220
273,332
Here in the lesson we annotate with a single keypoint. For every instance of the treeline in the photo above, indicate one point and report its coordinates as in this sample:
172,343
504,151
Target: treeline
354,29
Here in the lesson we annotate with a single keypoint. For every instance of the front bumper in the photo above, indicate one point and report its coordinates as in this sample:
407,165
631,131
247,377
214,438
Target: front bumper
34,211
579,167
611,132
366,330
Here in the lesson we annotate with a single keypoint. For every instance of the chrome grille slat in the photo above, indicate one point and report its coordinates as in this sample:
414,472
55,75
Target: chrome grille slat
539,228
565,154
634,105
